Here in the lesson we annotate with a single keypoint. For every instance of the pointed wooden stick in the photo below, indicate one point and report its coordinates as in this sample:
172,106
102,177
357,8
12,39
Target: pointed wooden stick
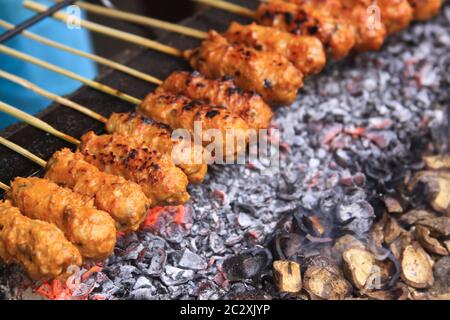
35,122
61,100
4,186
140,19
91,83
98,59
27,154
230,7
108,31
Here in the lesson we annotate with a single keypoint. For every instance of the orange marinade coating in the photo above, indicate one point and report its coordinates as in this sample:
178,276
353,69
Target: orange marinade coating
221,92
180,112
310,19
148,133
305,52
123,200
92,231
425,9
39,247
268,73
162,182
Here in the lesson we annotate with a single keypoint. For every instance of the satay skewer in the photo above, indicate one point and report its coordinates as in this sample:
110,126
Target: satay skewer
268,73
227,6
150,134
27,154
4,186
140,19
90,83
106,62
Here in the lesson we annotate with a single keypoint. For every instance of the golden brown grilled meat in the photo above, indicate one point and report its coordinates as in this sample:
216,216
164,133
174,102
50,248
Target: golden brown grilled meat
156,173
39,247
221,92
92,231
370,32
305,52
425,9
179,112
310,19
123,200
395,14
148,133
268,73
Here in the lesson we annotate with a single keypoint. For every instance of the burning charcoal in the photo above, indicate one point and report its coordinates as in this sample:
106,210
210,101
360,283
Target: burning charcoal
439,227
346,242
400,292
244,220
361,268
155,261
442,276
436,187
287,245
411,217
142,282
392,205
143,294
437,162
173,276
287,276
323,283
216,243
207,290
357,216
391,230
190,260
246,265
431,244
416,267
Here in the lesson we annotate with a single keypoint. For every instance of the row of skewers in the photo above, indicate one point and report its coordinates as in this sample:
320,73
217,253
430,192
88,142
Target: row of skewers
108,184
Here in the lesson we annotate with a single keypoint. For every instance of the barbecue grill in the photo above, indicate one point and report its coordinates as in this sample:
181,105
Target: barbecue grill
253,231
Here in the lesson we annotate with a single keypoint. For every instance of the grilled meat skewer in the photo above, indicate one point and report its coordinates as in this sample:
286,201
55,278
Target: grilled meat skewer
123,200
335,32
92,231
179,112
268,73
305,52
221,92
425,9
162,182
39,247
147,133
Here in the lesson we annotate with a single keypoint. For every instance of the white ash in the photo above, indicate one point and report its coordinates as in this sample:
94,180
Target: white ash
398,96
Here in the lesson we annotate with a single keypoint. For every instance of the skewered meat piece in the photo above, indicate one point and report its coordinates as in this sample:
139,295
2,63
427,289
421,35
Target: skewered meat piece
425,9
268,73
335,31
305,52
247,105
39,247
123,200
148,133
370,32
395,14
179,112
162,182
92,231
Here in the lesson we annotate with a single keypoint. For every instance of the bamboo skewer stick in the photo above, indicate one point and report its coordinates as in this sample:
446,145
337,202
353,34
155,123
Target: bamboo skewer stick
27,154
227,6
35,122
4,186
91,83
107,62
66,102
140,19
108,31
